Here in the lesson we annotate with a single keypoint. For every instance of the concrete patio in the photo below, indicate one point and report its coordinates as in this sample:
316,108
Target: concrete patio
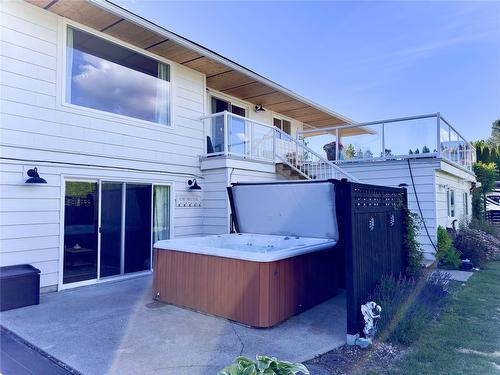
116,328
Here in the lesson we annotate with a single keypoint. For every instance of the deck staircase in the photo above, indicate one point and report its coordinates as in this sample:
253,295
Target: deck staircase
294,160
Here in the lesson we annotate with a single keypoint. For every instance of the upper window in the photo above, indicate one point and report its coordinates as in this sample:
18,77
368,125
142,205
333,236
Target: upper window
105,76
466,204
450,197
284,125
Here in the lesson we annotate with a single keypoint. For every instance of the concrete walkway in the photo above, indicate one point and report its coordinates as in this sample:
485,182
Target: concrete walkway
116,328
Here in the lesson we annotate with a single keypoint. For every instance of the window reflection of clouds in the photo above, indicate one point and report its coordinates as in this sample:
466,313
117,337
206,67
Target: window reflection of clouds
115,87
107,86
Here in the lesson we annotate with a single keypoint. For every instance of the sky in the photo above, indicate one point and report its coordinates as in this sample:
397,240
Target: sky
365,60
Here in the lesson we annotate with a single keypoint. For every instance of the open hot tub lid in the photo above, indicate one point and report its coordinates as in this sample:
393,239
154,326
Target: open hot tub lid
298,208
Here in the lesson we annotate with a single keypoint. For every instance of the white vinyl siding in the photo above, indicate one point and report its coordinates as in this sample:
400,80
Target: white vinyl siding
445,182
395,172
35,125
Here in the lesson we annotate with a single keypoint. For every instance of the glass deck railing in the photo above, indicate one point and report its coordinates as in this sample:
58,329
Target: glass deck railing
403,138
229,134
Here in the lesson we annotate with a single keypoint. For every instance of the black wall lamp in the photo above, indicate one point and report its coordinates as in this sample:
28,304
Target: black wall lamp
34,177
193,185
259,108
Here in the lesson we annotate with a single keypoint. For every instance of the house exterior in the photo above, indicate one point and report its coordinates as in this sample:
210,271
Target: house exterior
122,118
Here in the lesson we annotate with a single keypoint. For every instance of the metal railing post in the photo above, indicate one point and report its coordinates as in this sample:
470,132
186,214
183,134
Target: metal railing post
384,156
337,145
274,145
250,142
226,136
438,134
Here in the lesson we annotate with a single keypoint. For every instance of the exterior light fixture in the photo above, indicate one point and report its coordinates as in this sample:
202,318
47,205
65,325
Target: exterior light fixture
34,177
259,108
193,185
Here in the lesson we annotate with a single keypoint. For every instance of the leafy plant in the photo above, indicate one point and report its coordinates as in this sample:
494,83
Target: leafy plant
447,255
478,246
482,225
408,305
415,255
263,365
486,174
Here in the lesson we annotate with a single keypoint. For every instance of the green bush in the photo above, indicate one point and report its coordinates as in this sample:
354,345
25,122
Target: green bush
263,365
478,246
408,305
415,255
447,255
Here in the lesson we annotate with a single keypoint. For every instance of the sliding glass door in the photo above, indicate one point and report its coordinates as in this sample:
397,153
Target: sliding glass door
112,215
81,209
110,227
137,228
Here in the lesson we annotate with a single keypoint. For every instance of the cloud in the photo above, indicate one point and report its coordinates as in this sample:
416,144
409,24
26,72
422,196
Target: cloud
111,87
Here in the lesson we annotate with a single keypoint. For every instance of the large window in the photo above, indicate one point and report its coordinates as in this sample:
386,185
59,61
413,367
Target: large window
105,76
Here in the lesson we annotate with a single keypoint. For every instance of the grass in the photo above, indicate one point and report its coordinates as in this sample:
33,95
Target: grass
466,338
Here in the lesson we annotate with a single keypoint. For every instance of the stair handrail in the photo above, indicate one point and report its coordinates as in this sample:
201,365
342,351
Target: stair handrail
322,159
289,138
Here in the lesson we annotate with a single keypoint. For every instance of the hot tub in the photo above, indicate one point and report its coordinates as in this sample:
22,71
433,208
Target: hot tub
246,246
282,262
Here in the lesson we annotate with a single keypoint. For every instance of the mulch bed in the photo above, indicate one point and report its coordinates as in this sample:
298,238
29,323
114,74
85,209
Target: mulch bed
379,358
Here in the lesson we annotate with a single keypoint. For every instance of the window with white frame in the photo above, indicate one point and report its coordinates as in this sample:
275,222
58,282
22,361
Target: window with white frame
450,197
284,125
105,76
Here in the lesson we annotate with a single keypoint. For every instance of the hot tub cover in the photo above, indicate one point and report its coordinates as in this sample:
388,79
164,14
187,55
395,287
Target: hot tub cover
305,209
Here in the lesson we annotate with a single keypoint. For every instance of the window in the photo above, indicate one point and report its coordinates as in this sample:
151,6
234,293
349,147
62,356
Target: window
105,76
450,195
466,204
284,125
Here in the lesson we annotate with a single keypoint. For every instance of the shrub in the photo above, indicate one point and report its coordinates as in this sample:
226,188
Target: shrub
478,246
415,255
263,365
447,255
408,305
483,225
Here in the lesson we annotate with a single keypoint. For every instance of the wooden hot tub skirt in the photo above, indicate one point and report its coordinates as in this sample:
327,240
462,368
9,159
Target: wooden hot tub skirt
253,293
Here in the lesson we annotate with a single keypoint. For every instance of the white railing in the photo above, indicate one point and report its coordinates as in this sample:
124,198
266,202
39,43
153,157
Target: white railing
401,138
227,134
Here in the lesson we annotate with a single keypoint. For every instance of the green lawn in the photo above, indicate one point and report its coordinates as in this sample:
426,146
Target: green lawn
466,338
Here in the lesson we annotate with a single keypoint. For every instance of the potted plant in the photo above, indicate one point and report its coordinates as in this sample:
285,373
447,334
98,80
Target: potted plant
331,149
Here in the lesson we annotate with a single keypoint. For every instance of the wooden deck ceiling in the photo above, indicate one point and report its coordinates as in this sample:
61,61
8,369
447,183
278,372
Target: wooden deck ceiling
222,74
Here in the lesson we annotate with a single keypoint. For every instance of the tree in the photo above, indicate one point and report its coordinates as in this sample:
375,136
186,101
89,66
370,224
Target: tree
350,152
487,153
486,174
494,140
410,152
425,150
368,154
417,151
359,153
